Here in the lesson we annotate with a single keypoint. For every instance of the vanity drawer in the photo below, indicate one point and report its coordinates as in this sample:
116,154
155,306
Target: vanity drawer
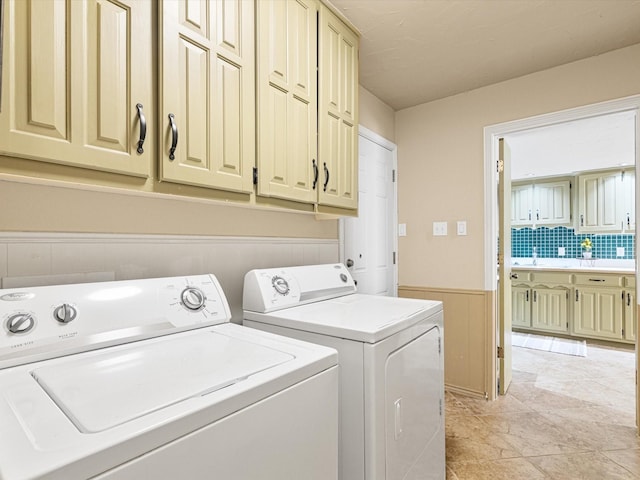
595,279
550,277
630,281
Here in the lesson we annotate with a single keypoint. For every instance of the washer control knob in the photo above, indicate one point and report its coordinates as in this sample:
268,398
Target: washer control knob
280,285
65,313
193,298
20,322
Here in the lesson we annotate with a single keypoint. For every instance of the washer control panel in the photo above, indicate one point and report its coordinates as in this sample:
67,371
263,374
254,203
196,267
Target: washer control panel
44,322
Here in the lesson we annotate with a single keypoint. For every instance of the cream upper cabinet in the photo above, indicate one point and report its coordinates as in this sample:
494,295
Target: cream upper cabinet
606,201
287,99
78,96
545,203
207,93
338,112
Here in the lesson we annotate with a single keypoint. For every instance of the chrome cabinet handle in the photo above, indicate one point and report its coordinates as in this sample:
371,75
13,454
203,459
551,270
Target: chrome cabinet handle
596,280
174,136
628,299
537,214
582,220
143,129
628,220
527,295
577,294
535,296
349,263
315,173
529,214
326,176
514,276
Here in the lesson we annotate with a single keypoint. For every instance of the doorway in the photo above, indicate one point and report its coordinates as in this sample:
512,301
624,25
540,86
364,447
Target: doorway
368,242
491,135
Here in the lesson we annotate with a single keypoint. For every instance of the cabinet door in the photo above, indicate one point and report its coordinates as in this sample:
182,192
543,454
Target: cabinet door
630,314
521,307
521,204
338,112
600,202
627,200
207,86
598,313
78,70
287,98
552,203
549,309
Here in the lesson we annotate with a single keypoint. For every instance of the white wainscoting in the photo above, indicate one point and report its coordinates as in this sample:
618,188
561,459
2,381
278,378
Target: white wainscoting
40,259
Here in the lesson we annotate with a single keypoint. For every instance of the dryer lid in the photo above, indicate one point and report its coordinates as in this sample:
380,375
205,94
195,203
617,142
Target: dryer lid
365,318
100,390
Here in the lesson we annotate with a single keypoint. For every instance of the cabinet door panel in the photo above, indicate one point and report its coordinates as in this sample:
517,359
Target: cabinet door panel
287,108
73,92
207,82
108,60
598,313
521,307
38,45
549,310
338,111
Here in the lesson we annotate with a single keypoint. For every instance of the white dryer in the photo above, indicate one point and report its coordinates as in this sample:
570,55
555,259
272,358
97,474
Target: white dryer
391,365
148,379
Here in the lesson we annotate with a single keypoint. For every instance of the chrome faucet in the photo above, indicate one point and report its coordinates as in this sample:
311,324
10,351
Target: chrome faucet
535,256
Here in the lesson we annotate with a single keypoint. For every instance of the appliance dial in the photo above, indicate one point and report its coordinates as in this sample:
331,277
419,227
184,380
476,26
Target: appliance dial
280,285
193,298
20,323
65,313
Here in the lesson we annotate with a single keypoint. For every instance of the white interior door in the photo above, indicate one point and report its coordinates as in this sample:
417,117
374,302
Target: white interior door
504,267
370,239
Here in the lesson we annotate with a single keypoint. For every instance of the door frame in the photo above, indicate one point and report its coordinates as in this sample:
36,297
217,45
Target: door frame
393,148
491,135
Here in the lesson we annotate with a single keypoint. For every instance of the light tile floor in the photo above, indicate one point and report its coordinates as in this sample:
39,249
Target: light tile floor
564,417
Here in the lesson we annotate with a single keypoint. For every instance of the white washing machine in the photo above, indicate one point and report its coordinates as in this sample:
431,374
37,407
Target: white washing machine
148,379
391,365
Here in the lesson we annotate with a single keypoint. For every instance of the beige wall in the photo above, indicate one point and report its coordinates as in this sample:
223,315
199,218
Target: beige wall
441,163
376,115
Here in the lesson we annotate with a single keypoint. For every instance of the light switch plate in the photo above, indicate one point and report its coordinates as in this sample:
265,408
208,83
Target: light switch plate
402,229
461,226
619,251
439,229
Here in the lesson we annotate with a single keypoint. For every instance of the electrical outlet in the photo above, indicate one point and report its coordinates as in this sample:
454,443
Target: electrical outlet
561,252
619,251
402,229
439,229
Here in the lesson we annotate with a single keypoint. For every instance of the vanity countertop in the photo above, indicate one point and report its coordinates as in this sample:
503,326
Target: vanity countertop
599,265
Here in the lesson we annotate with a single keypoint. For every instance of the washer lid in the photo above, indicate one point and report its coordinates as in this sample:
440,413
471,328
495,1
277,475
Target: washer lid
365,318
109,388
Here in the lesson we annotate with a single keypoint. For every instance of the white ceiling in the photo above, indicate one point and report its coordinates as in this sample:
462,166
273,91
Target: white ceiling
571,147
416,51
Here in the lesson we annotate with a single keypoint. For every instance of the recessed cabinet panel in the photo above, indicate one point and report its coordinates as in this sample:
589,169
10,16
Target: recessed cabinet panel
207,83
108,56
41,53
598,313
549,309
521,307
338,111
287,100
73,93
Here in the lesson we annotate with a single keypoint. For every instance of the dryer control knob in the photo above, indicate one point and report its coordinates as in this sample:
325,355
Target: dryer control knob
193,298
65,313
280,285
20,323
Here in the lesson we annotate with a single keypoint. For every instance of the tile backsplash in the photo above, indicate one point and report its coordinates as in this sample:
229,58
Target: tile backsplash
548,240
